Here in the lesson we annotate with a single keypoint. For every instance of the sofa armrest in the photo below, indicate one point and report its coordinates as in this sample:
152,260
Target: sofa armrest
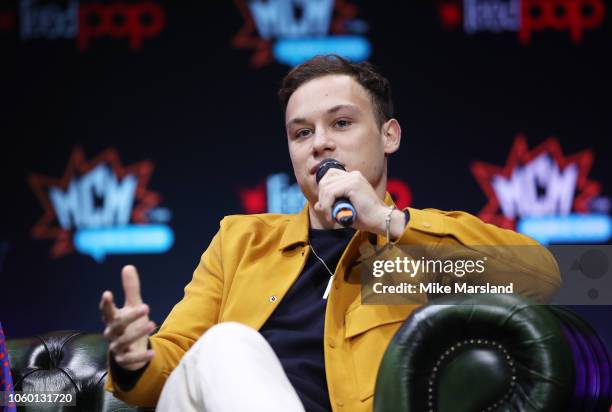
64,361
487,352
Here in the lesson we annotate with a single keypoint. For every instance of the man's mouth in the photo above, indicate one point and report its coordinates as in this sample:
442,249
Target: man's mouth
313,170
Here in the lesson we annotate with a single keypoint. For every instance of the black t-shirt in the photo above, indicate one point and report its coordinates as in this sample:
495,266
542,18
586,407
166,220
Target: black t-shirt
295,329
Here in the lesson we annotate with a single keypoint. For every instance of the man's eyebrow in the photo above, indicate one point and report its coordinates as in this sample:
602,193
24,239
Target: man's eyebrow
302,120
342,106
297,120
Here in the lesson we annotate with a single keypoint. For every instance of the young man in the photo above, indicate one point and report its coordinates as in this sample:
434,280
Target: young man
254,331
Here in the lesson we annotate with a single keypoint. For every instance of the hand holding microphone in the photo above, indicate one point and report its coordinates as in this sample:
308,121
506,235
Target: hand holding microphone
349,199
342,210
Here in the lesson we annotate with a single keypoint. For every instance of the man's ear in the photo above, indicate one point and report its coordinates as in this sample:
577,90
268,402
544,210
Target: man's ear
392,135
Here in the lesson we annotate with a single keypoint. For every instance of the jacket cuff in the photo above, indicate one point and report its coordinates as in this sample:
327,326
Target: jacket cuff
125,379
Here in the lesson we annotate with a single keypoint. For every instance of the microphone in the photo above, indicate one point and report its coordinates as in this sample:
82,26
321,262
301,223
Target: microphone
343,211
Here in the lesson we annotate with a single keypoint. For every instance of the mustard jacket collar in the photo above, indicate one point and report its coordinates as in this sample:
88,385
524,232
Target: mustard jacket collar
296,231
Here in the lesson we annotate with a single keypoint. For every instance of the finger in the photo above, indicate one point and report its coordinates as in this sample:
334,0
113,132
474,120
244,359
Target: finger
126,342
328,194
107,307
323,197
333,173
324,207
122,344
125,317
130,358
131,286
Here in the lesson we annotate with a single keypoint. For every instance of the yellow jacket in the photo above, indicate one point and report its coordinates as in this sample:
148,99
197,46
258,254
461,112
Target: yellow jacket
255,257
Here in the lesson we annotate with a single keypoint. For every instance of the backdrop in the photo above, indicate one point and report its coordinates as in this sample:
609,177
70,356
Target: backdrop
130,128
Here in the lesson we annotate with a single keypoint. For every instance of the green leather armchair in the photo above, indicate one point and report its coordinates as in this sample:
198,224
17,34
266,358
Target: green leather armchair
494,353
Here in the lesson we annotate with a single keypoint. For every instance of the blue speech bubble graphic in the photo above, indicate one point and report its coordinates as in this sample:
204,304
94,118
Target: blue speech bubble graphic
292,51
574,228
129,239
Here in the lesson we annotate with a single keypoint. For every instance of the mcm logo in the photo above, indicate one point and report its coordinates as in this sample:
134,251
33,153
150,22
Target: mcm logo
100,207
281,18
538,182
292,31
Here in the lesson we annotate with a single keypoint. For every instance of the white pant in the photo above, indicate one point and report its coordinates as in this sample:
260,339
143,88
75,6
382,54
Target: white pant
230,368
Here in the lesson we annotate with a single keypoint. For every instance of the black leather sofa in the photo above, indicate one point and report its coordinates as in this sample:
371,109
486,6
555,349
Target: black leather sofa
459,354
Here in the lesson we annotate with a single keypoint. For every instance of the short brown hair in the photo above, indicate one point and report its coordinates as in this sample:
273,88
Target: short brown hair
364,73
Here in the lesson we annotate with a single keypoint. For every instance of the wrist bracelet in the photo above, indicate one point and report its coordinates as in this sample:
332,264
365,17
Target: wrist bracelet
388,223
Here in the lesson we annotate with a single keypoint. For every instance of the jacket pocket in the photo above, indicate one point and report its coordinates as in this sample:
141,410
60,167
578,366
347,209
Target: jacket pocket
369,329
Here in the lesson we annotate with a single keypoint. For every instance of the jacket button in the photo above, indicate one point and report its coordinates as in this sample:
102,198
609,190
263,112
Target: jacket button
331,343
426,224
273,298
339,403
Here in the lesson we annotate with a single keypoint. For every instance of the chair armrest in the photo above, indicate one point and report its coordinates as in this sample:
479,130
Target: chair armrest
484,352
64,361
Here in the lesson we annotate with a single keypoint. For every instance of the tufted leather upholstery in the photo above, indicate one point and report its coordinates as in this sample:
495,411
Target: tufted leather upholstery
66,361
494,353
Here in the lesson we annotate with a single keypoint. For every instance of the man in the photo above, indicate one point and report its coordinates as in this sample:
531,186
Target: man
273,319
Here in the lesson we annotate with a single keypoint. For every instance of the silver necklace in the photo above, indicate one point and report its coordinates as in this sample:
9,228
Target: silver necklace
331,274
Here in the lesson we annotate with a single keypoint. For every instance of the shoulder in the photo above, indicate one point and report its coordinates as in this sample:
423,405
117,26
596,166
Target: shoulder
245,232
256,225
260,220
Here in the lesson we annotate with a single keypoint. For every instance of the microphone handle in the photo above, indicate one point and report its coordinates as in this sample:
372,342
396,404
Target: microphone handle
343,212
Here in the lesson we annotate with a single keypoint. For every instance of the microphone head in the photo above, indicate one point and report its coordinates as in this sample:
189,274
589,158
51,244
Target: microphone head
325,165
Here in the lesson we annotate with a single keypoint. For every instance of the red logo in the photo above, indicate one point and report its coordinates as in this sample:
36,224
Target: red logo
401,193
523,16
253,199
575,16
134,22
537,182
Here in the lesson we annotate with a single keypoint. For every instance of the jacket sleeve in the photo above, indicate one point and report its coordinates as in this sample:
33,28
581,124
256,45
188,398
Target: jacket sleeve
510,256
188,320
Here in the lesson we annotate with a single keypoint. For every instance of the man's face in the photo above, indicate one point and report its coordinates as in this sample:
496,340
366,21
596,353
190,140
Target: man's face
333,117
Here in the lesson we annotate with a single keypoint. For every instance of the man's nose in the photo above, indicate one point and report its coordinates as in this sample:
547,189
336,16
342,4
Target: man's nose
322,141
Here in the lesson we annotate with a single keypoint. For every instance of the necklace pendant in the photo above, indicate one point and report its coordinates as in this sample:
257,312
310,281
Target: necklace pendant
331,274
328,288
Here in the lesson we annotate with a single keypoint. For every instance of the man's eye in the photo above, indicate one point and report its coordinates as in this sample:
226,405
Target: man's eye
302,133
342,123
